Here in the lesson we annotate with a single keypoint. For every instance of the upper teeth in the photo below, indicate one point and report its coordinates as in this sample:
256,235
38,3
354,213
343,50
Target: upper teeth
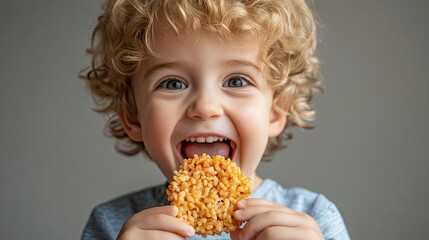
208,139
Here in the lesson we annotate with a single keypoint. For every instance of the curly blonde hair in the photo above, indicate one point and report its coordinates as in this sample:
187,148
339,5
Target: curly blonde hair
124,36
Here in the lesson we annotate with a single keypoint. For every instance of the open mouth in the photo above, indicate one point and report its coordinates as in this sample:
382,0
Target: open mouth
211,145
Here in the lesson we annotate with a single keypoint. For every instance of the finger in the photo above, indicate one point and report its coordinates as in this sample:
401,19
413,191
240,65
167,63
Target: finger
162,219
167,210
249,212
281,233
167,223
149,234
255,202
260,222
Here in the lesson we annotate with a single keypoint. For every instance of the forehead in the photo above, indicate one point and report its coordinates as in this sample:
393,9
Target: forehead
203,47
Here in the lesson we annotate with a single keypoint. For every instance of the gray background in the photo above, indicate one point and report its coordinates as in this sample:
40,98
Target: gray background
368,152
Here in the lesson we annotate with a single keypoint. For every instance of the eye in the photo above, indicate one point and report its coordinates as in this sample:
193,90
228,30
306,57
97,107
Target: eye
172,84
236,81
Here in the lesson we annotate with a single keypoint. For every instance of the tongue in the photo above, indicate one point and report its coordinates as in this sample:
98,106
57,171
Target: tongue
212,149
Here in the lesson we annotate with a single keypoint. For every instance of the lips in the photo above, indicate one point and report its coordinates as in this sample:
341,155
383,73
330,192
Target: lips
211,145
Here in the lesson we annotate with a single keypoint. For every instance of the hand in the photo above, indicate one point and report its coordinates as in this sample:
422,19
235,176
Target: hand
268,220
156,223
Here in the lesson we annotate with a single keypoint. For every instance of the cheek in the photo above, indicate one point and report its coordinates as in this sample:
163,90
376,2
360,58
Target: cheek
254,117
157,127
154,114
151,118
157,123
252,126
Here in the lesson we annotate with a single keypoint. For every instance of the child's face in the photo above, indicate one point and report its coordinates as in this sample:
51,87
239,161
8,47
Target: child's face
203,92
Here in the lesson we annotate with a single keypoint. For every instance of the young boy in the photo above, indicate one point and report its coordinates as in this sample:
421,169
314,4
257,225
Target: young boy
208,76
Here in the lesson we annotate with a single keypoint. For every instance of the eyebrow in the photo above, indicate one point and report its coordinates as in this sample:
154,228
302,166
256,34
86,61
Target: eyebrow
232,62
162,65
240,62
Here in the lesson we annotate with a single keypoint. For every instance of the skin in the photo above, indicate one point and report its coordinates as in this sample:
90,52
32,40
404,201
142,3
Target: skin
182,93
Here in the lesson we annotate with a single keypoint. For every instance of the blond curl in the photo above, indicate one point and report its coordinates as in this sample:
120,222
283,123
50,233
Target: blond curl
125,32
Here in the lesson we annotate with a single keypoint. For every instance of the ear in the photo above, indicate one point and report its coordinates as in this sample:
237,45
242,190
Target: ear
278,120
130,123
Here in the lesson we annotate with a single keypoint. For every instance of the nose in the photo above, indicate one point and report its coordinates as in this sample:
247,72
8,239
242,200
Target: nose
205,106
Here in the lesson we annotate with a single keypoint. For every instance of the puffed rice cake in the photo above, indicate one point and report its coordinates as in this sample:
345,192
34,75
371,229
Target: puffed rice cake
206,191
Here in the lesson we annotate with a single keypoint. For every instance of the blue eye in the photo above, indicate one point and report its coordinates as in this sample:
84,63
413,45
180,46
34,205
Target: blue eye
236,82
172,84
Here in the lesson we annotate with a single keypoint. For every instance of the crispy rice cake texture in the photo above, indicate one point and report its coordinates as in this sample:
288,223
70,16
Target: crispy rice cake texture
206,191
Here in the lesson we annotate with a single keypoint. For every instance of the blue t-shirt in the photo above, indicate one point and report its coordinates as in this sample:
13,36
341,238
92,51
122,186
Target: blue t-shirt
107,219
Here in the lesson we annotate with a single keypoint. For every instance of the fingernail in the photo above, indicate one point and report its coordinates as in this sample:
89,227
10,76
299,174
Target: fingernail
241,203
191,230
239,213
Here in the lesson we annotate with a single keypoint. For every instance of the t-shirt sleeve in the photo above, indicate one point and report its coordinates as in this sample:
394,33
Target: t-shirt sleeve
98,227
106,220
330,221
